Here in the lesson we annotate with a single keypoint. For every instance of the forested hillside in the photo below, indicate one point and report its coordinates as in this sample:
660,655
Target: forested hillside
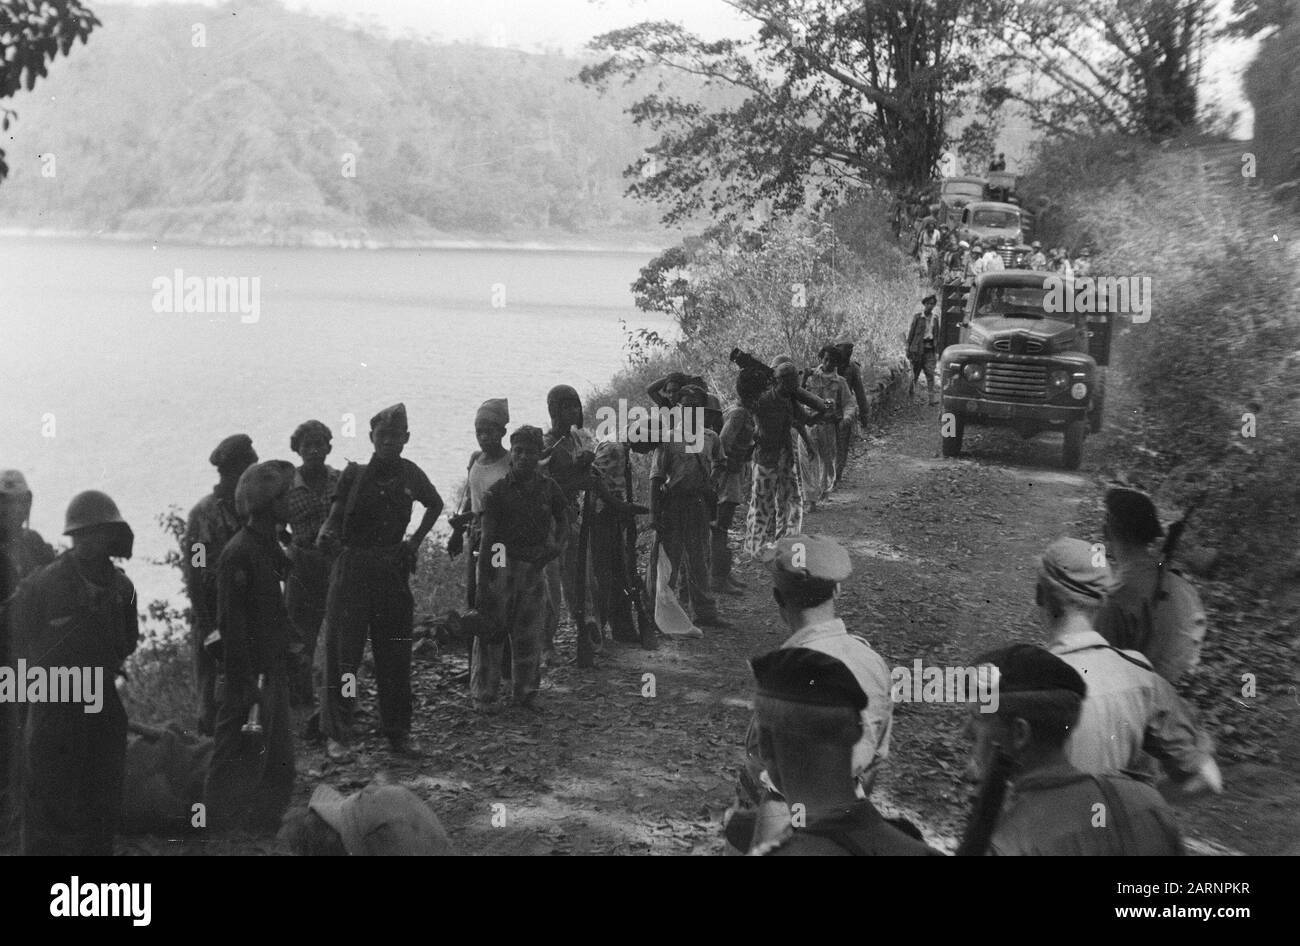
286,128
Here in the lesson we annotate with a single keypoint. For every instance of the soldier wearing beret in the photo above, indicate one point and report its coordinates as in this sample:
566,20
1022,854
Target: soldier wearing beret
212,523
1129,709
809,709
250,778
923,345
524,515
1153,609
370,592
806,574
1052,808
310,496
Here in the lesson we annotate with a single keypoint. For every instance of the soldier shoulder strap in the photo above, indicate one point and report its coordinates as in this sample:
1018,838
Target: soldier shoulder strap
358,474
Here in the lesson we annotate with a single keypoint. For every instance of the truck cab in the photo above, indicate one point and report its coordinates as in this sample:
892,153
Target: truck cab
1010,361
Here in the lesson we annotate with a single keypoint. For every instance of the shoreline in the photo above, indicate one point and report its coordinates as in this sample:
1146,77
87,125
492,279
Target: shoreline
325,240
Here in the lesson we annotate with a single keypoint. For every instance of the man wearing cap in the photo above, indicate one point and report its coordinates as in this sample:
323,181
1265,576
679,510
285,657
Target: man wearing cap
22,551
79,611
568,450
1129,708
1153,609
524,514
1052,808
807,571
370,591
250,779
212,523
308,583
923,345
808,713
489,463
378,821
682,473
1037,261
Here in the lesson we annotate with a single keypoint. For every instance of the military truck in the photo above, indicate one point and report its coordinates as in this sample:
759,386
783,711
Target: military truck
1009,361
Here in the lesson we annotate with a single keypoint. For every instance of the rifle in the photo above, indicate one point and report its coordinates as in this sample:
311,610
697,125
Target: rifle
987,807
587,642
1167,550
632,586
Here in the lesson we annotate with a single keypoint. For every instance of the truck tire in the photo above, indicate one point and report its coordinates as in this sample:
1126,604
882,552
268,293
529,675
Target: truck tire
951,446
1072,450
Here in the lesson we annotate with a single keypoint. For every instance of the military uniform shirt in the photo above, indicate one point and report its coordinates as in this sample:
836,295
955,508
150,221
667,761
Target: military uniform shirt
524,514
384,500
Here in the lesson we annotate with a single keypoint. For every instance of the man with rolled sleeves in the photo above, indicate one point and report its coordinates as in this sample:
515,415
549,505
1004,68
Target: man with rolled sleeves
79,611
808,712
1052,808
370,592
212,523
307,586
1129,709
250,779
1153,609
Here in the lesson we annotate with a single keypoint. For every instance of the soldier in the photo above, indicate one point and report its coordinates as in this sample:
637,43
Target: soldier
524,515
615,515
250,779
1037,261
370,592
737,441
923,345
489,463
22,551
807,572
1153,609
808,713
927,247
212,523
1129,708
567,454
77,612
23,546
308,582
1053,807
1083,263
681,481
826,383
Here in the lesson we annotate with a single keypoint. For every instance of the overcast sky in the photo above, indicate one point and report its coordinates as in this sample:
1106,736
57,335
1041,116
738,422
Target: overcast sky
569,24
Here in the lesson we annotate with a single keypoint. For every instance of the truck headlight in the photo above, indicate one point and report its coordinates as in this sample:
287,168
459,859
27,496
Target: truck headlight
1058,379
973,371
1079,391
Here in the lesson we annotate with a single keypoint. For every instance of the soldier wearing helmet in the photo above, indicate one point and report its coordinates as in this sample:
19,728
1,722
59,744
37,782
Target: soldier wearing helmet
77,612
25,548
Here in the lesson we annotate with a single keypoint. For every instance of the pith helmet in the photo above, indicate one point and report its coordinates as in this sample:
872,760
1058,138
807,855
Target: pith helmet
91,508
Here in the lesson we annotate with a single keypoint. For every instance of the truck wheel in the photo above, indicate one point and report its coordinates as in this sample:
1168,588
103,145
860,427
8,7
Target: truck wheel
951,446
1072,452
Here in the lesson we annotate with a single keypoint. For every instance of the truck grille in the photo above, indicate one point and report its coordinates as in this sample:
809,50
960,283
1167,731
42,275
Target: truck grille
1008,254
1020,345
1024,382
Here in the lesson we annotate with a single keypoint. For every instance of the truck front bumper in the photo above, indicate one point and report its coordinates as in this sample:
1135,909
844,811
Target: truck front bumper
995,413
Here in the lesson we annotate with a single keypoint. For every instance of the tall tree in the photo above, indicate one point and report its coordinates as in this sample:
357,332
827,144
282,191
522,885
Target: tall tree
1084,67
827,96
32,33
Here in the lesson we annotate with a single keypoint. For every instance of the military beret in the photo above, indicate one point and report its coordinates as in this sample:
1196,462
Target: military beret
1027,668
235,447
1071,565
261,484
801,557
526,433
801,675
306,429
1135,509
394,416
13,483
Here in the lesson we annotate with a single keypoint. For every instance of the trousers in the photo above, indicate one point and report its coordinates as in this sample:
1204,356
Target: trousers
562,584
250,779
720,557
609,567
686,539
369,596
515,601
305,593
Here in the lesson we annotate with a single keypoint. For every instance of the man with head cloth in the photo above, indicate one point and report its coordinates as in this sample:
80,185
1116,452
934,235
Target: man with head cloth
1153,609
370,591
489,463
1129,708
212,523
808,713
1053,808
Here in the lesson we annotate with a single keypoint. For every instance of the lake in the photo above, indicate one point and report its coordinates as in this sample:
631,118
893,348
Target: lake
99,390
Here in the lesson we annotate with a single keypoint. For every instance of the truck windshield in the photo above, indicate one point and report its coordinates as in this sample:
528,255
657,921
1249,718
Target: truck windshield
995,219
963,189
1024,301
